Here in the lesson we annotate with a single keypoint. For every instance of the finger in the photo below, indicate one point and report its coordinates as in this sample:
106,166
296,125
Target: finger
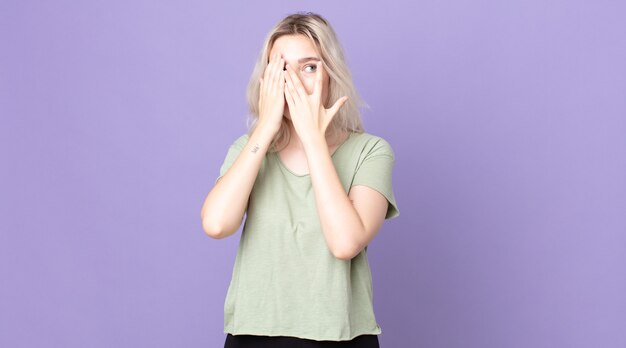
338,104
282,82
268,67
317,91
289,99
275,72
291,88
266,79
269,72
278,73
299,90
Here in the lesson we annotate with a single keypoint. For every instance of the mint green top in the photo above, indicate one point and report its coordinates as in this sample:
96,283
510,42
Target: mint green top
285,280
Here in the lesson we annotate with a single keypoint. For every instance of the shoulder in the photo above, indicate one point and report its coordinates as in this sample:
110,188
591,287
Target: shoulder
242,138
240,141
371,144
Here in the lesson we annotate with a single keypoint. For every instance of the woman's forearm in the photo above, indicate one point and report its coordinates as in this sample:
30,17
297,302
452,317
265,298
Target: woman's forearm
341,224
225,205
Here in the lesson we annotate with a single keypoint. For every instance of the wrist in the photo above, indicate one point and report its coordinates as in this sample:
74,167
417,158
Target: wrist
314,141
265,132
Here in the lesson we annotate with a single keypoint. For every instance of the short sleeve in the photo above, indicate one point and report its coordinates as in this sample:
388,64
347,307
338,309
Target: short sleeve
233,152
375,171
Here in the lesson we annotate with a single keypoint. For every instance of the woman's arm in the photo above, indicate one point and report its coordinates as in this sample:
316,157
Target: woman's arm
347,229
347,226
226,203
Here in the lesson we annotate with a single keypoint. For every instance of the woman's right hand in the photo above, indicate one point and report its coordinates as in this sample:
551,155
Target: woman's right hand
272,94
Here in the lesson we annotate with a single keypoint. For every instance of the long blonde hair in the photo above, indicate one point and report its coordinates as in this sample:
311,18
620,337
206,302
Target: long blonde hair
325,41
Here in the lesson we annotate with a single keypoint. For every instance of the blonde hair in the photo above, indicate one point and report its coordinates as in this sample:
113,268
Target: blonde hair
327,45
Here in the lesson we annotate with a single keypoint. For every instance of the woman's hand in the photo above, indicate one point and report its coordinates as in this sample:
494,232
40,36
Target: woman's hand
308,114
272,95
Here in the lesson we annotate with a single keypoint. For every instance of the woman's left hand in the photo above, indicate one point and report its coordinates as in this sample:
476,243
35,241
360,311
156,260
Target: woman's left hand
309,116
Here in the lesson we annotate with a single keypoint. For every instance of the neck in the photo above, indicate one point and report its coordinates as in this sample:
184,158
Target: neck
296,143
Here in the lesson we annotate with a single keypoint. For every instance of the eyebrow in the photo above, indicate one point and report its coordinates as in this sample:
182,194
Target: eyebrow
306,59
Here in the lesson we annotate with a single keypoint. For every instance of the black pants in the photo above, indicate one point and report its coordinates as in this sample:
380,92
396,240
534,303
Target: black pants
251,341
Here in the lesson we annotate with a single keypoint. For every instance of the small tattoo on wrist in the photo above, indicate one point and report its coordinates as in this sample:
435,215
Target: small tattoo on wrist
256,148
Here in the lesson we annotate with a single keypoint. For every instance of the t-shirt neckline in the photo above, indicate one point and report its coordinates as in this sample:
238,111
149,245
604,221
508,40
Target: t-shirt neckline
308,174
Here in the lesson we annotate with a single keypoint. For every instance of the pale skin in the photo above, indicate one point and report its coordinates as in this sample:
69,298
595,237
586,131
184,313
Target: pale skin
294,87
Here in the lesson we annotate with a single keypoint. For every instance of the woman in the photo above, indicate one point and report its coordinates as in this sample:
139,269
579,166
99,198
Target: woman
315,189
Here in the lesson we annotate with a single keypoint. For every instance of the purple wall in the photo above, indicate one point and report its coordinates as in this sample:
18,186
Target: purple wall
508,119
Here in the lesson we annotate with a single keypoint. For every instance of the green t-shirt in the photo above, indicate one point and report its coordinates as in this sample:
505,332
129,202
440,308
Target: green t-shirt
285,280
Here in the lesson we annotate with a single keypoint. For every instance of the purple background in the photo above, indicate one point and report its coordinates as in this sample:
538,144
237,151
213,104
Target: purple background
508,119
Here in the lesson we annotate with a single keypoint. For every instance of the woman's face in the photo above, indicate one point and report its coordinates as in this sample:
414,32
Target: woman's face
299,53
